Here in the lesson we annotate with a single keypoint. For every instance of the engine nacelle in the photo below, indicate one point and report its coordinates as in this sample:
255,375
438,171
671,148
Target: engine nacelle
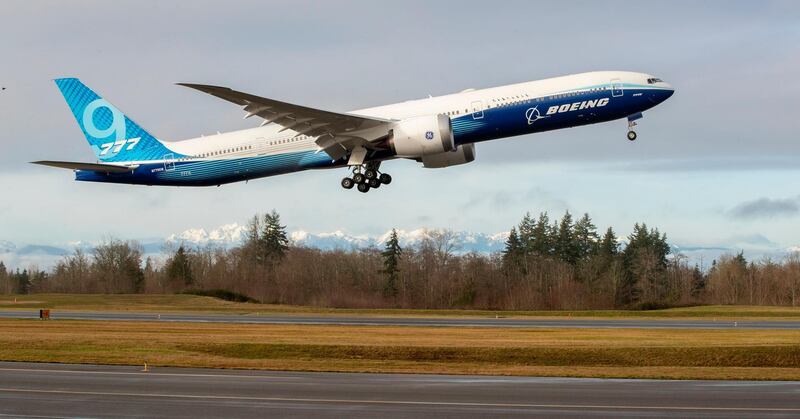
421,136
463,154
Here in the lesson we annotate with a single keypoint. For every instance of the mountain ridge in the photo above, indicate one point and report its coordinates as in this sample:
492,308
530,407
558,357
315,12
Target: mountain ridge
231,235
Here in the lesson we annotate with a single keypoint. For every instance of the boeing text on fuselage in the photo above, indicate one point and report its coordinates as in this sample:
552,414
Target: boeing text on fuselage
575,106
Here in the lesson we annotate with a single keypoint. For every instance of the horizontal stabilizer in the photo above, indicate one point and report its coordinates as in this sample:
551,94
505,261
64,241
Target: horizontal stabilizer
95,167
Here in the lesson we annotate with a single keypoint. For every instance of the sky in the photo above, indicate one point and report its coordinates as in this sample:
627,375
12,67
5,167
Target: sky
715,165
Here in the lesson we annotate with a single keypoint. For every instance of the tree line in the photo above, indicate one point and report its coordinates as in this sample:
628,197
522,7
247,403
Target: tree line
560,264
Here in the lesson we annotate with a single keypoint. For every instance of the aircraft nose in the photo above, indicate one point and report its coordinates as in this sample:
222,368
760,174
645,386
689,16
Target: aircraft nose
664,92
669,91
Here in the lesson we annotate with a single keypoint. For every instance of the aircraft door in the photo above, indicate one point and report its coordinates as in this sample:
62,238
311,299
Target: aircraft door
169,162
616,88
477,109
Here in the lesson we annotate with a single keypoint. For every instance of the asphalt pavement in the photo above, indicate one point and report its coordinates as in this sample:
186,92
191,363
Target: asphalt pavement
518,322
59,390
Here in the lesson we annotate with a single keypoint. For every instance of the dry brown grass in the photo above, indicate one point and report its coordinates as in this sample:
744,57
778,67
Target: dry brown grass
643,353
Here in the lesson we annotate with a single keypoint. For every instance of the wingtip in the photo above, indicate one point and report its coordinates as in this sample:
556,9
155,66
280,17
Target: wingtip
199,86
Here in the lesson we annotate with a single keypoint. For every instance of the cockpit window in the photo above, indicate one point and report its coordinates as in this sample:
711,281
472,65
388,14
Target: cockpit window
654,80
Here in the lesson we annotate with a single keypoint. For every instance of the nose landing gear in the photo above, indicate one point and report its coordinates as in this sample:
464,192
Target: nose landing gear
632,123
366,177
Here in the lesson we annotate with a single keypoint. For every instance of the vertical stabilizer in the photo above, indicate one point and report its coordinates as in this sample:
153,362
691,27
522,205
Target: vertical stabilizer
113,136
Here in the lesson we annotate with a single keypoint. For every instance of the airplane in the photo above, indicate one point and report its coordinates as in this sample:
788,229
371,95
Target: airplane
437,131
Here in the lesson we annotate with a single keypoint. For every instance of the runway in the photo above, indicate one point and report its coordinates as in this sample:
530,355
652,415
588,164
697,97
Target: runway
411,321
55,390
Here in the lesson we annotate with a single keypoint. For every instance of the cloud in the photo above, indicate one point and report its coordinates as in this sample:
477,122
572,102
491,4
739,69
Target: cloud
766,208
539,198
707,164
751,240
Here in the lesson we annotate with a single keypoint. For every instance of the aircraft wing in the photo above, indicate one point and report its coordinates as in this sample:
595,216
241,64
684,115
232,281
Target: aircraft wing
94,167
337,133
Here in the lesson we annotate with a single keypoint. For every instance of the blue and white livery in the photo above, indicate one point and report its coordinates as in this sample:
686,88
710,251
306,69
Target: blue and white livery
437,131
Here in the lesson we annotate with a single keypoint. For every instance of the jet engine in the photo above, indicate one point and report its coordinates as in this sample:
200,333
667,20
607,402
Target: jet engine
421,136
461,155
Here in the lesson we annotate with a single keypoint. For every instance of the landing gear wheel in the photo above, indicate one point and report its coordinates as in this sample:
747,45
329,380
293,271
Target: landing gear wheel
363,187
370,174
374,183
385,178
348,183
632,135
358,178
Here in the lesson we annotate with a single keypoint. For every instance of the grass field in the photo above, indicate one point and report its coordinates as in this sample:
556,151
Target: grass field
189,303
621,353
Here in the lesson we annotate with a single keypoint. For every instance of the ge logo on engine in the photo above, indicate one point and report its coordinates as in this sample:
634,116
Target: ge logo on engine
429,135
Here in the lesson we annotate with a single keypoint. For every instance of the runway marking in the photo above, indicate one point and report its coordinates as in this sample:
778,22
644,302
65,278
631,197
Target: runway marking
6,415
155,374
403,402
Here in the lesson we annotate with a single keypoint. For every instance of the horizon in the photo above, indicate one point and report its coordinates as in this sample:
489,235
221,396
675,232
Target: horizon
22,255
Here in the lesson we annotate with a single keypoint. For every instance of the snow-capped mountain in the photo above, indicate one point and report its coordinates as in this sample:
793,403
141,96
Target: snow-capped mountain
330,241
231,235
226,235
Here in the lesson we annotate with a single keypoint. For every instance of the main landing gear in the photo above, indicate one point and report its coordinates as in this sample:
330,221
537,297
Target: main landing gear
366,177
